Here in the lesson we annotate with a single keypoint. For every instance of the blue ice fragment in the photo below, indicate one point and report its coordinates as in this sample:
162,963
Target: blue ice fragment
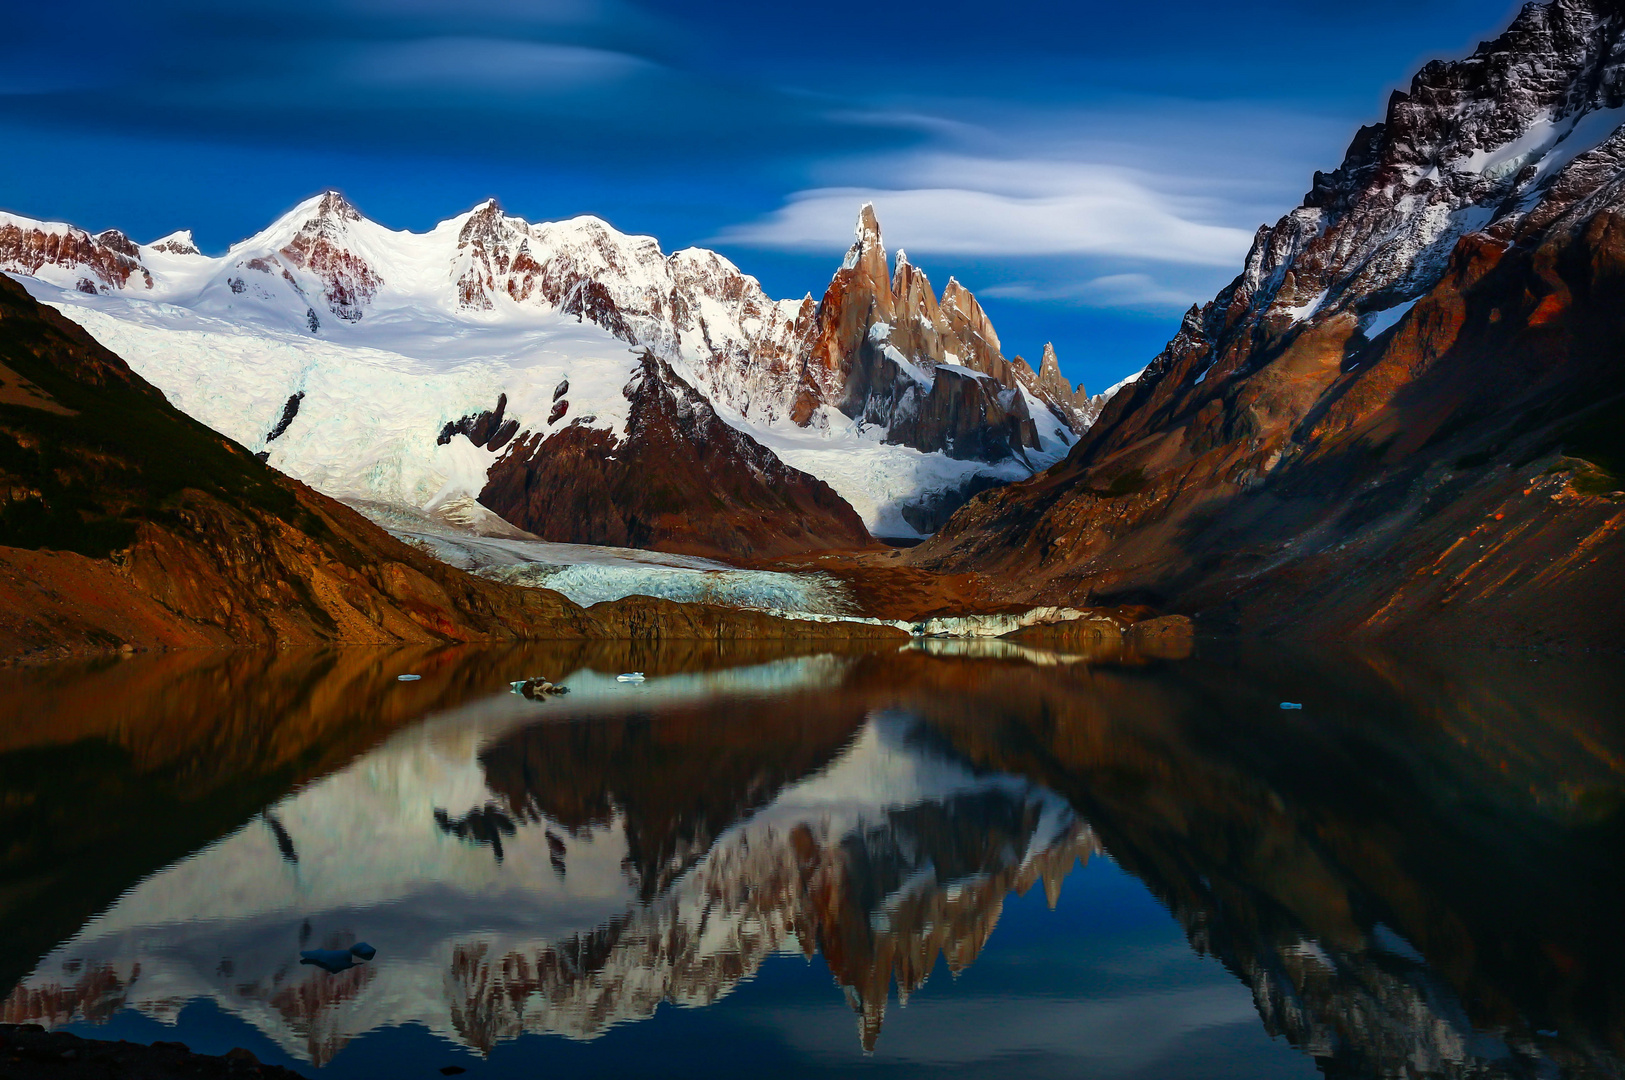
1291,705
337,960
332,961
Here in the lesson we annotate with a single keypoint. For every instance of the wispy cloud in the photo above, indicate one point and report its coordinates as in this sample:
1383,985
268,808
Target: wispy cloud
969,206
491,65
1132,291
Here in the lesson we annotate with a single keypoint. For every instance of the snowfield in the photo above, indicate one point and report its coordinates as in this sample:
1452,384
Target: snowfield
380,338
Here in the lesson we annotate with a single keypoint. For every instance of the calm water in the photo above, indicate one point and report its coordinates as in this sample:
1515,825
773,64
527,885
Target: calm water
756,863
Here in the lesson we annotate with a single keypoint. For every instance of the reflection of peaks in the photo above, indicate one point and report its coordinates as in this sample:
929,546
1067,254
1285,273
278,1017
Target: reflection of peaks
658,859
95,995
310,1008
881,906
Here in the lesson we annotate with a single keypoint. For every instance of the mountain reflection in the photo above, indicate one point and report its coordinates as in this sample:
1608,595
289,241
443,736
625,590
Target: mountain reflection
1419,875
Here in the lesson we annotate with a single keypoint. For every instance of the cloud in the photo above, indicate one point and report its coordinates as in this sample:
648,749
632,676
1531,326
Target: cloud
491,65
957,205
1133,291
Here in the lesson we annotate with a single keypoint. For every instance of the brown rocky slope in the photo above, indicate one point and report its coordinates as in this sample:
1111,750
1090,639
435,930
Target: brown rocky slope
1457,472
126,523
680,480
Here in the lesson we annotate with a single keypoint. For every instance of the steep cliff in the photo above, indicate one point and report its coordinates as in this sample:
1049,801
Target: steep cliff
1404,412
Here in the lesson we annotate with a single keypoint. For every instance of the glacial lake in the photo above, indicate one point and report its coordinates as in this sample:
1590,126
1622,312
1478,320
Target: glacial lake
945,860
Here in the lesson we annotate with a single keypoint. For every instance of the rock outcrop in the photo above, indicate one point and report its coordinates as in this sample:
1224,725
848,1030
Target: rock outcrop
679,480
1402,412
108,260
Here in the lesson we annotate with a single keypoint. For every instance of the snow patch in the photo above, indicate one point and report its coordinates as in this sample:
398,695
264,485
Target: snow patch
1380,322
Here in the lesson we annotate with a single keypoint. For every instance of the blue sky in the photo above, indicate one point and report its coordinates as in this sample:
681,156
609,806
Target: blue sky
1089,169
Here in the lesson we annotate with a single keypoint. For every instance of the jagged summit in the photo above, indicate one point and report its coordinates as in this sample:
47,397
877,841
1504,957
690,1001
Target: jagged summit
879,362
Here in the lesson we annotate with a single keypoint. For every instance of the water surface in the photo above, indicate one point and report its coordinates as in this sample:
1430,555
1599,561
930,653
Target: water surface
979,861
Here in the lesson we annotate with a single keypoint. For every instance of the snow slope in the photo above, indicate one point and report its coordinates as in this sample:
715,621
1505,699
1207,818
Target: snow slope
369,341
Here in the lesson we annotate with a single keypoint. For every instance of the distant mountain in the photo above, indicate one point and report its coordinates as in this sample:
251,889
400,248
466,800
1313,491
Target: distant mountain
125,522
1407,405
354,357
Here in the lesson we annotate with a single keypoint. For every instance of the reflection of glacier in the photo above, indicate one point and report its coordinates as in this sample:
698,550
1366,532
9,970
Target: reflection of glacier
888,855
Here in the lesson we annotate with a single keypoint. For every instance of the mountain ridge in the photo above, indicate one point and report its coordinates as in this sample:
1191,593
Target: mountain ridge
901,428
1398,414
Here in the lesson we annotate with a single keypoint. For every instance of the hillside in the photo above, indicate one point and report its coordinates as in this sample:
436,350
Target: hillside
1403,415
128,524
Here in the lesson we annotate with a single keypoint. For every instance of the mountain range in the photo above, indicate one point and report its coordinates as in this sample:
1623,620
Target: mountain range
572,380
1403,412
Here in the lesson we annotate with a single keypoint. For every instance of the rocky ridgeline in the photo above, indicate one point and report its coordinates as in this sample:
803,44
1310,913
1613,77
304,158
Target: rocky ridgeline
1501,143
880,346
1363,431
885,350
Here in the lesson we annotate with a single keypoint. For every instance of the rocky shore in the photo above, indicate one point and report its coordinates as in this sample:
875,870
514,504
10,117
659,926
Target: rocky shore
29,1052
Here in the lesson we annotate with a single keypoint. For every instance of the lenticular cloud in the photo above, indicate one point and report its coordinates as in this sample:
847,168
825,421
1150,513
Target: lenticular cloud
1077,210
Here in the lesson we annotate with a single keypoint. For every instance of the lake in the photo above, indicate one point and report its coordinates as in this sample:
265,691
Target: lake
951,859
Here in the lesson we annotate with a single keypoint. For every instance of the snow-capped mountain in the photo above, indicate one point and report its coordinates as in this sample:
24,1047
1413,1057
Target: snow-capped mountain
502,903
1503,143
359,359
1409,354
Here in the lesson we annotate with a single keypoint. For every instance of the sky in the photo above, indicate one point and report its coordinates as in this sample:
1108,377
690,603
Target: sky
1088,169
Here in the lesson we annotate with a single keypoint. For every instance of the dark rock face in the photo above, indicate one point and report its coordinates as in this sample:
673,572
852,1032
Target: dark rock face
930,513
1287,460
964,414
289,411
681,480
487,429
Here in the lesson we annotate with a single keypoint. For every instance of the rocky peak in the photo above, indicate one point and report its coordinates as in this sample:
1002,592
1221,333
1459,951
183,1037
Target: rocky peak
115,240
490,246
323,246
333,207
1052,383
176,243
978,344
858,298
1470,142
1499,142
69,256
